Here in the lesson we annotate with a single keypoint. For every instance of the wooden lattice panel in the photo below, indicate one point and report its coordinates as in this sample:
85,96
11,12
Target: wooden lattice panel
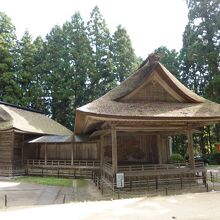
152,92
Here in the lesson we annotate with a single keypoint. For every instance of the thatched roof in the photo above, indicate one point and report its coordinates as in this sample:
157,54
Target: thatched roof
151,93
22,119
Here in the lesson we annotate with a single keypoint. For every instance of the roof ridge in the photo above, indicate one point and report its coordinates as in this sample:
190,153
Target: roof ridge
21,107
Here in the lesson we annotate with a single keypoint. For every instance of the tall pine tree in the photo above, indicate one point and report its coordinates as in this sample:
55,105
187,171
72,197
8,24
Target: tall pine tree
200,52
124,58
57,77
25,65
80,66
8,83
102,79
170,58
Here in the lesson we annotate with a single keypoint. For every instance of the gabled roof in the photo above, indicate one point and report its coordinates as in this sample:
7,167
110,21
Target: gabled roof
23,119
151,93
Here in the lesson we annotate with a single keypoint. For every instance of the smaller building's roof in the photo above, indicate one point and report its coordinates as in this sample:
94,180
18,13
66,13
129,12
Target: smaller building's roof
28,120
60,139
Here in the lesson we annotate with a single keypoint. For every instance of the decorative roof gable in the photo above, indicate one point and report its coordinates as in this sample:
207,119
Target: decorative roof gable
151,93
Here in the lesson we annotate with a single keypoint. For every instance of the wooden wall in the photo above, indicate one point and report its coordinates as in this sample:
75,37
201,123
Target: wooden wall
137,147
131,147
164,148
17,149
63,151
11,144
6,149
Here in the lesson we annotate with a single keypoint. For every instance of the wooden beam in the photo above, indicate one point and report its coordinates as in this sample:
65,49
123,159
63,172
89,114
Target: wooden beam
190,148
100,132
151,128
114,151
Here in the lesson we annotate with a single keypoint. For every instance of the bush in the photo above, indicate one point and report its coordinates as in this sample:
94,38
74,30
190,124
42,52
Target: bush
216,158
176,158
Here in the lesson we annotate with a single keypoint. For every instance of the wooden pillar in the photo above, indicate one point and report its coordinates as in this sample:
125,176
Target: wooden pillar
72,153
114,151
101,154
170,145
56,151
45,154
22,150
159,149
190,148
102,150
12,150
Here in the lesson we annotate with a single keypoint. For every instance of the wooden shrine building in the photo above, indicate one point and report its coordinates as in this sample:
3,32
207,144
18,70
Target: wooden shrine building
125,131
134,120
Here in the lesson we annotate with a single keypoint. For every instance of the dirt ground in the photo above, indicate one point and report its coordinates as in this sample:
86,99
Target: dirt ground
34,201
197,206
21,194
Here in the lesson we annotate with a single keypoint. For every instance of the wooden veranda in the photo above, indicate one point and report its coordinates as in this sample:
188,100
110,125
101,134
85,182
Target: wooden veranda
152,150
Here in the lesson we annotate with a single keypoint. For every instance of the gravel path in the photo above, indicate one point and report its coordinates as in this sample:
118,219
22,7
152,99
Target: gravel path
197,206
41,201
21,194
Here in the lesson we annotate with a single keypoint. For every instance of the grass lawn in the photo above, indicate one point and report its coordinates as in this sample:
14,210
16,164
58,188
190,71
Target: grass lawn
213,166
53,181
81,183
45,180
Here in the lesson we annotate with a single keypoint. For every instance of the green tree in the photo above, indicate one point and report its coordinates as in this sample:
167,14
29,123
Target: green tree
80,66
30,75
200,52
8,82
57,77
124,58
102,79
212,92
200,55
39,84
25,65
170,59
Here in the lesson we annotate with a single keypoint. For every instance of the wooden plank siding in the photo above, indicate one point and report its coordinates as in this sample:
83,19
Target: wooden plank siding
137,147
17,149
6,148
11,153
63,151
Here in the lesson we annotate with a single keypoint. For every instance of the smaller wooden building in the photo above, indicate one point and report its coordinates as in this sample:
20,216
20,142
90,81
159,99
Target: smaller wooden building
17,125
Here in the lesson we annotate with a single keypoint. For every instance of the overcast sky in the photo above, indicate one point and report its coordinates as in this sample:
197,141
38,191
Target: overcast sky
150,23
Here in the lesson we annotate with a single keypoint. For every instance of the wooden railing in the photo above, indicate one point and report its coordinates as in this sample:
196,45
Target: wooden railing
11,171
154,168
107,168
74,163
159,167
